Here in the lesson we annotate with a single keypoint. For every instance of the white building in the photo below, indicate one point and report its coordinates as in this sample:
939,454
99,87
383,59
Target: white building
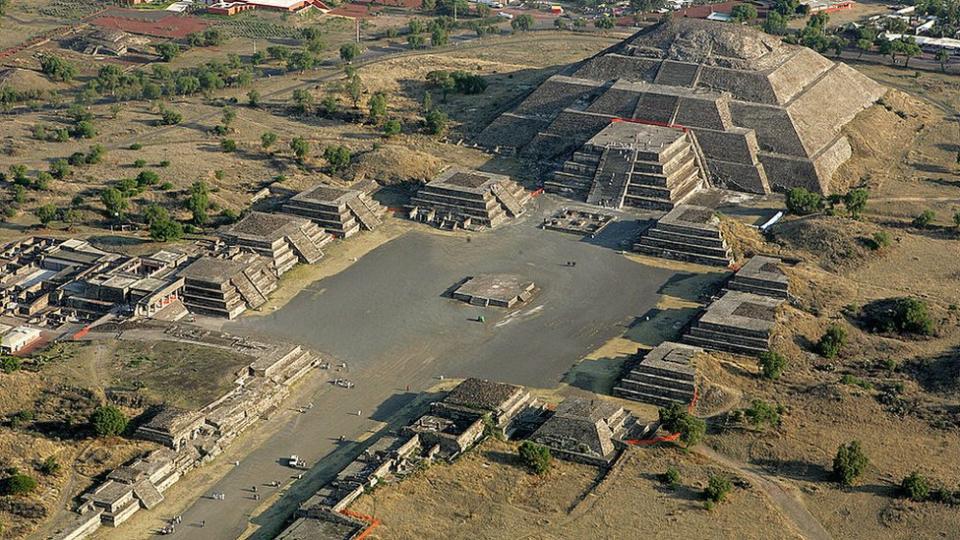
18,339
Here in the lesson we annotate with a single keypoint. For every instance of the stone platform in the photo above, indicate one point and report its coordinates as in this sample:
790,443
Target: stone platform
738,322
761,275
342,212
687,233
665,376
501,290
468,199
578,222
632,164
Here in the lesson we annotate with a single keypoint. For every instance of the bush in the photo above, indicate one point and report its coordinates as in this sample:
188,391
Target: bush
337,156
671,477
718,487
915,487
853,380
802,202
49,466
832,341
849,463
166,186
392,128
856,201
772,365
901,315
140,163
677,419
535,456
147,178
880,240
228,145
760,412
165,163
17,484
9,364
924,219
108,420
136,146
436,122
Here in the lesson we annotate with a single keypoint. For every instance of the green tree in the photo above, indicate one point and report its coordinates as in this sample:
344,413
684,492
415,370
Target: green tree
743,13
46,214
108,421
349,51
228,145
57,68
786,7
863,45
303,101
943,57
916,487
84,130
378,107
9,364
329,105
268,139
253,99
300,148
760,412
115,202
522,23
925,219
167,51
415,41
671,477
49,466
718,487
677,419
439,36
832,341
170,117
163,228
198,202
354,88
60,169
535,456
772,365
604,23
392,128
17,484
436,121
338,157
849,463
802,202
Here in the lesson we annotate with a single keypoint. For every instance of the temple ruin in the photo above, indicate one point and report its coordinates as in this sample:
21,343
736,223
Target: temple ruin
283,238
666,375
468,199
738,322
687,233
761,275
341,212
500,290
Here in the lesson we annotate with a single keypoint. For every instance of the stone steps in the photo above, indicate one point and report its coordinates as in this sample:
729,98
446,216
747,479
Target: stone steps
740,285
682,256
729,335
513,206
661,377
686,247
679,238
656,390
307,248
723,346
646,398
367,219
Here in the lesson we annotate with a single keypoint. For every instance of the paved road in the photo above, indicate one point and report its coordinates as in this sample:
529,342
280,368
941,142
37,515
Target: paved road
386,318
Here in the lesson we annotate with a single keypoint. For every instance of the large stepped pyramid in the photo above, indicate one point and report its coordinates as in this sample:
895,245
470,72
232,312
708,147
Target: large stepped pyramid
632,164
687,233
665,376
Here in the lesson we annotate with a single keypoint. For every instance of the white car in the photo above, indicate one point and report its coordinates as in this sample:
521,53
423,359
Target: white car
505,15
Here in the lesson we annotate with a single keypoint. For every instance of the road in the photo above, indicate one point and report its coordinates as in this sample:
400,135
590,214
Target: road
386,317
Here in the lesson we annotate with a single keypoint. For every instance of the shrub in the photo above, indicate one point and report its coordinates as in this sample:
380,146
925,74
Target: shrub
772,365
915,487
671,477
832,341
849,463
392,128
880,240
49,466
802,202
9,364
17,484
901,315
166,186
60,169
853,380
856,201
140,163
436,122
677,419
136,146
535,456
924,220
337,156
228,145
165,163
108,420
147,178
718,487
760,412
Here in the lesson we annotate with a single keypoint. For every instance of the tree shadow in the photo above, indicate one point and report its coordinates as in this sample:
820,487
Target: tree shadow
619,234
794,469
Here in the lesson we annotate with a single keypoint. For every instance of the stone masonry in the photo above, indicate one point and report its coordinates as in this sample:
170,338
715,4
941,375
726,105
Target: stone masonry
687,233
283,238
342,212
460,198
761,275
632,164
738,322
666,375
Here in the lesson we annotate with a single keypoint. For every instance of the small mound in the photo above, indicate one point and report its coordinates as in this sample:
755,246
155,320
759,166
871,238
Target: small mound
832,242
23,80
395,164
744,241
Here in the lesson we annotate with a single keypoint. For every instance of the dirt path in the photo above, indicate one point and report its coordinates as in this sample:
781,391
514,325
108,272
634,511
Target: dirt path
784,497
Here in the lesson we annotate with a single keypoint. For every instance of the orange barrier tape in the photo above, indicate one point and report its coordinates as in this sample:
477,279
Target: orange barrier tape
373,522
84,331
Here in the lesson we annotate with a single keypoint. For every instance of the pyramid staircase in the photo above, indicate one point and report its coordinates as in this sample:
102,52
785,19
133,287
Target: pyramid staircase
248,290
305,246
674,238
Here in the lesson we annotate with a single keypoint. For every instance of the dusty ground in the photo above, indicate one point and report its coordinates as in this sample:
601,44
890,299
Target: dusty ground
496,498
